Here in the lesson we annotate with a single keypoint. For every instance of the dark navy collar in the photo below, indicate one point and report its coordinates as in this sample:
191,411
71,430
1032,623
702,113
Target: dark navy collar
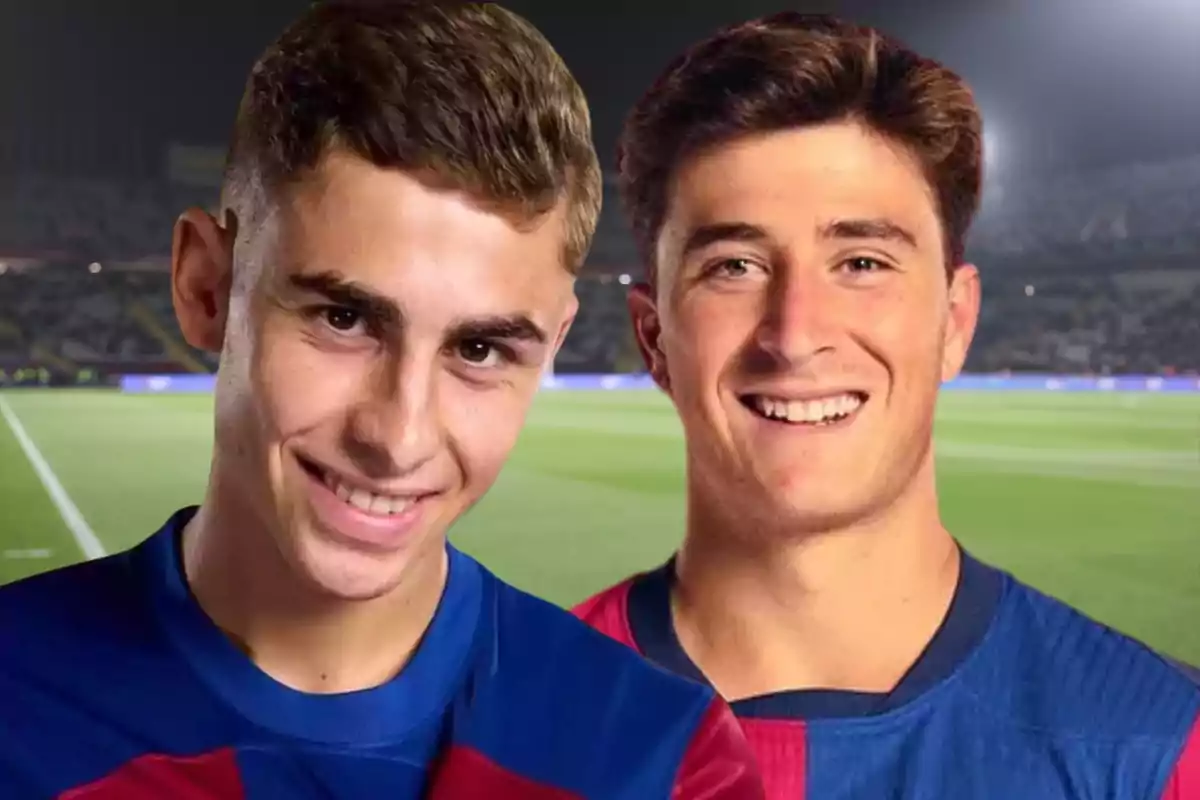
976,599
414,699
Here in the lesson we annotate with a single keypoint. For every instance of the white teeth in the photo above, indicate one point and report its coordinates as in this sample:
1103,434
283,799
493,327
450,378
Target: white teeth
808,411
365,501
389,505
360,499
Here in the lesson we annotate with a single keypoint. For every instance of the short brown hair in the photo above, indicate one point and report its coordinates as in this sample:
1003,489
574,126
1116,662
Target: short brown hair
466,95
791,70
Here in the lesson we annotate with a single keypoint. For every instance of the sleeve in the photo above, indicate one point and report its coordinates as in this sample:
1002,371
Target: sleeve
719,763
1184,783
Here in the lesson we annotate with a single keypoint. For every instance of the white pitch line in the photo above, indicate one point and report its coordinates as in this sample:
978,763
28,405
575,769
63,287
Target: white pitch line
84,536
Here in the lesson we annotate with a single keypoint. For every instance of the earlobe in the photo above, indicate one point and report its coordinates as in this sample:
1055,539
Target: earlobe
647,328
201,278
964,300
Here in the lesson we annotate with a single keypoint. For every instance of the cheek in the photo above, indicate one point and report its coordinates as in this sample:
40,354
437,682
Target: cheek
703,340
483,425
300,387
907,326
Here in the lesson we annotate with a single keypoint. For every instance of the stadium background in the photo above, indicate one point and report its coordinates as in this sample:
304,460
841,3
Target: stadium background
1070,455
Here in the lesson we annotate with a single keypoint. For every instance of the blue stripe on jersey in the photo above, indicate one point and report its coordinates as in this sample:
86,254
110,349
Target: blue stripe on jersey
1049,665
645,717
1051,705
92,681
387,712
1192,673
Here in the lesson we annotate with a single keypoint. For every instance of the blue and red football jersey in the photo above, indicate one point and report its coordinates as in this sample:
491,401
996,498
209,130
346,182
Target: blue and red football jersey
116,686
1017,697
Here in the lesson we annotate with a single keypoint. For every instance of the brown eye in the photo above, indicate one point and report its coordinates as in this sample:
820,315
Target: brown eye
731,268
478,352
343,320
860,264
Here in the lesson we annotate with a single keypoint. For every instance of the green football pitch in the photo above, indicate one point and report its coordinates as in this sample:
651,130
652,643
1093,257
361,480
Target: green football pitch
1094,498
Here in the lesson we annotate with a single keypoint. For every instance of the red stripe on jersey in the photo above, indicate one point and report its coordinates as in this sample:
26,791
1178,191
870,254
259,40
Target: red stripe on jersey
782,749
466,774
1185,778
608,612
718,764
212,776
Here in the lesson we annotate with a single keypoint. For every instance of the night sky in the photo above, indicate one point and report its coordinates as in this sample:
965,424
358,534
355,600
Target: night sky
1063,83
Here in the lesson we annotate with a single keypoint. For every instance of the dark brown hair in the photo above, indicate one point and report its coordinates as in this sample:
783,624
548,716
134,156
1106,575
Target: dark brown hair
466,95
791,70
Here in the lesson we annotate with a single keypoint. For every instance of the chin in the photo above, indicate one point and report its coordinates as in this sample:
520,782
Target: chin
806,501
345,573
807,515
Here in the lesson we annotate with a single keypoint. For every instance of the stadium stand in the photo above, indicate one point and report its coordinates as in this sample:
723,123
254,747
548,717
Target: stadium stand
69,318
1084,274
1133,322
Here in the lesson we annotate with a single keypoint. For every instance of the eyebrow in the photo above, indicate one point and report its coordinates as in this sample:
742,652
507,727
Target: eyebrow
705,235
336,289
514,327
878,228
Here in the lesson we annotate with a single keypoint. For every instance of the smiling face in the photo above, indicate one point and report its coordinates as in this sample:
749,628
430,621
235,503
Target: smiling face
803,322
381,350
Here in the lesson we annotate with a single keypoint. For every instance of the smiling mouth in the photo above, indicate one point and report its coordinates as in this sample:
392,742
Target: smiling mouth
377,503
817,412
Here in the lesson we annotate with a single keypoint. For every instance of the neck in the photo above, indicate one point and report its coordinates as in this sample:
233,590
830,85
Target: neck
849,609
303,638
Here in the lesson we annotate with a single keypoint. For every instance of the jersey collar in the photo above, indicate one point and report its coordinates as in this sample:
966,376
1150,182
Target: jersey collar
419,695
976,600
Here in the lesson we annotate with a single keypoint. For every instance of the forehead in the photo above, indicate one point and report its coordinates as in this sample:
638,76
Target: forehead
792,182
426,247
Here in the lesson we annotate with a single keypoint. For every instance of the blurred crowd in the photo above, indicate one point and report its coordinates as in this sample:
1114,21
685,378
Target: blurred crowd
1129,214
1141,323
1083,274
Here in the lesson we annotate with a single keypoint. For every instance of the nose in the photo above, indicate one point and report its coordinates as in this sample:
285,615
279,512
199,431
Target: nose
396,429
798,319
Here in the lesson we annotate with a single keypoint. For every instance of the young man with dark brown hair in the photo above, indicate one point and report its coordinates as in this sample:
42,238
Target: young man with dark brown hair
801,190
410,189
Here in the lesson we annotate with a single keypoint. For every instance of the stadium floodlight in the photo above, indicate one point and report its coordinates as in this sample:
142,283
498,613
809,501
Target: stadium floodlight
94,267
624,279
991,153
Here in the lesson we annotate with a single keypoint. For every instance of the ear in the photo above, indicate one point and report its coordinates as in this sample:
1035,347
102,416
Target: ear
202,277
964,316
647,327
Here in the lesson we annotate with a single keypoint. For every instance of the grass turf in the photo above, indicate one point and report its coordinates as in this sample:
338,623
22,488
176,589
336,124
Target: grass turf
1094,498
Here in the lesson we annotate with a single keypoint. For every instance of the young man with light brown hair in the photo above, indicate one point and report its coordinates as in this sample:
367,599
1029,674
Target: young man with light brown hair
411,189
